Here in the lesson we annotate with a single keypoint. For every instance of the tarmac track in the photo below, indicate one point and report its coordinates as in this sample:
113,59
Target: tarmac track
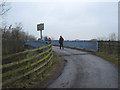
84,70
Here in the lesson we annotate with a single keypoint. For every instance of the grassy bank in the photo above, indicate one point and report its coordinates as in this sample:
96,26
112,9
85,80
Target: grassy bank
109,57
36,79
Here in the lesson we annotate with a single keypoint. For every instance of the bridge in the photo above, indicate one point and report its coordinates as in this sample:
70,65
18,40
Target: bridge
82,69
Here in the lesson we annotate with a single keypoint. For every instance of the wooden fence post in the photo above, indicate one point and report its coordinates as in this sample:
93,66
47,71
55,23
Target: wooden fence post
51,53
28,65
44,53
98,43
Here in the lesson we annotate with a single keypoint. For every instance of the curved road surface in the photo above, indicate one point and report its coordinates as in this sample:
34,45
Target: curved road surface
83,70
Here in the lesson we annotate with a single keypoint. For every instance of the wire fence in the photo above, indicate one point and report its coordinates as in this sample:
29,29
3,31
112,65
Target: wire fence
112,47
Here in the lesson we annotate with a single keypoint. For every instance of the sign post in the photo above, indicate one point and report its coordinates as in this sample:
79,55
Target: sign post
40,27
41,34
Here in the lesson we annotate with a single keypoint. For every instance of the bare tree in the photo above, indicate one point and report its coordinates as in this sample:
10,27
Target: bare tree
13,40
113,37
4,7
104,38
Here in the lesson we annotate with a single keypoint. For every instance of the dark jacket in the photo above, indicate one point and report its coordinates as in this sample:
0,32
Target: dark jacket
61,40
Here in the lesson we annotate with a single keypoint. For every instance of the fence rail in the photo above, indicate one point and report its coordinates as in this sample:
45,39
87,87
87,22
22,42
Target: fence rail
105,46
34,62
88,45
109,46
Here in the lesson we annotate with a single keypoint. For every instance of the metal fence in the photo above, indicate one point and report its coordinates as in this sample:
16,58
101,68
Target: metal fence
89,45
101,46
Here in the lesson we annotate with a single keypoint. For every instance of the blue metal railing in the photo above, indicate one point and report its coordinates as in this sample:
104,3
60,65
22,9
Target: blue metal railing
89,45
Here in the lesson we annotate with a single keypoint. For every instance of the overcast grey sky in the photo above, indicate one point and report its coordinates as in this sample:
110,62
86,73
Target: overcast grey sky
72,20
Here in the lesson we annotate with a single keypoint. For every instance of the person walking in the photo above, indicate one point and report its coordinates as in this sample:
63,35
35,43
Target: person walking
61,42
49,40
46,39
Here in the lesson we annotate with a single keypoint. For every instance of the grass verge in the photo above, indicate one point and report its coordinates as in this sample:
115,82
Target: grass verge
109,57
39,80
